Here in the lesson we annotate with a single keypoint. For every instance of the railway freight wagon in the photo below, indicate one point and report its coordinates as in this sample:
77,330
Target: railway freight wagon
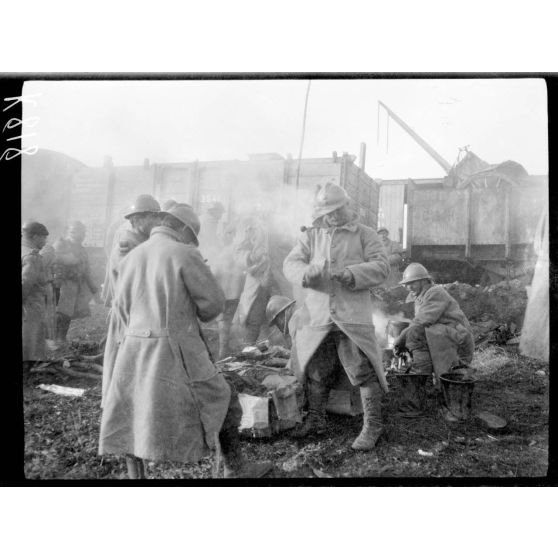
267,182
480,232
99,195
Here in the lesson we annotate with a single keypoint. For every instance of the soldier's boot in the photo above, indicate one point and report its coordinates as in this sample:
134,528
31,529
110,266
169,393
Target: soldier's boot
373,425
315,421
236,465
135,466
62,327
224,339
413,398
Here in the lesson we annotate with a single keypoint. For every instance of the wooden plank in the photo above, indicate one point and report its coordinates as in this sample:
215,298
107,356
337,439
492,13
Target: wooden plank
507,222
469,222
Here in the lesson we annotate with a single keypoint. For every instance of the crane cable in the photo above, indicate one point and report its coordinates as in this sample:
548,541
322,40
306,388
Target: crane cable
378,129
302,135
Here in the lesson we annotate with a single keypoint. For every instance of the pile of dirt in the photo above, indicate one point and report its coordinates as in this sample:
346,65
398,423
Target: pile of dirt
504,302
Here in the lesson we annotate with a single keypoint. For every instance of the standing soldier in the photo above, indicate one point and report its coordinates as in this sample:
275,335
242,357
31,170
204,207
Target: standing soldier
253,255
338,260
230,276
142,216
33,284
164,400
73,274
210,239
48,254
395,254
168,204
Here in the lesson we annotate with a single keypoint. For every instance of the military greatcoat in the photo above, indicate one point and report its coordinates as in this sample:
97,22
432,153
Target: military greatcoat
163,399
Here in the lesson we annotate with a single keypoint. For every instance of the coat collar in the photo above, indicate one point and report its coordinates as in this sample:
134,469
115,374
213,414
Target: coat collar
167,231
422,293
420,297
351,226
28,244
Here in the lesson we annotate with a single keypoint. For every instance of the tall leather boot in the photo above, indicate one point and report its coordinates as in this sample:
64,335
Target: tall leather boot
62,327
373,425
413,399
236,466
315,421
135,467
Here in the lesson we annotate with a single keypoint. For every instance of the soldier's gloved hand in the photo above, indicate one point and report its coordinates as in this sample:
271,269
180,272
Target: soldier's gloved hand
312,275
399,346
123,247
345,277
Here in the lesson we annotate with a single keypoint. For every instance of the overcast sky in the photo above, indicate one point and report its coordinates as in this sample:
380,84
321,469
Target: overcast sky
180,121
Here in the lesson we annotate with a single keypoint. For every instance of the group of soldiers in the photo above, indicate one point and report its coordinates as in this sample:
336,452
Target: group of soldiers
168,272
57,286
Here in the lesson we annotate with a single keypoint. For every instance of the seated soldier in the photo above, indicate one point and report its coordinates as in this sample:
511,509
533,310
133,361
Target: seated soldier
438,337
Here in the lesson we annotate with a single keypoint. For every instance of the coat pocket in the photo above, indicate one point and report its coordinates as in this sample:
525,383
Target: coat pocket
193,358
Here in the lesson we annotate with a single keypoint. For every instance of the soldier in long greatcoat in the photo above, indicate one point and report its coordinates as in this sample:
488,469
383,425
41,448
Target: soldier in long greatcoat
33,285
337,261
163,399
74,279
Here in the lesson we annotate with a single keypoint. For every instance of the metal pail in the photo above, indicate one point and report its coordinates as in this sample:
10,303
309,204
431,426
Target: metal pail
457,390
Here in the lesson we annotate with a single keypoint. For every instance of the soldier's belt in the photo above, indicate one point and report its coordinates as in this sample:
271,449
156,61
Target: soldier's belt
147,332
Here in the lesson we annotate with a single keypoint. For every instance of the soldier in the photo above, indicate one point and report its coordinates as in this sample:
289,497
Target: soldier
163,398
279,311
48,254
438,337
142,216
230,276
73,274
253,255
395,254
338,260
210,241
168,204
33,284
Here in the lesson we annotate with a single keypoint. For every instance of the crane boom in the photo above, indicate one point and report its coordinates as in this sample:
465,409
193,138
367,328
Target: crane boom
428,148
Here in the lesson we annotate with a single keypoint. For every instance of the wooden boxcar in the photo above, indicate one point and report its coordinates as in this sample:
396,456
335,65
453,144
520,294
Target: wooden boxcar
484,233
100,195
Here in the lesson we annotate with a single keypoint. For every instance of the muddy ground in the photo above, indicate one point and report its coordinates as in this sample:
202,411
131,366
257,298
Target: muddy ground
61,433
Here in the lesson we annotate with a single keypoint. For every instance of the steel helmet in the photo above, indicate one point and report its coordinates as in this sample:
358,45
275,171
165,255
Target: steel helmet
186,214
414,272
31,228
383,229
143,204
275,306
216,207
328,198
76,226
168,204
